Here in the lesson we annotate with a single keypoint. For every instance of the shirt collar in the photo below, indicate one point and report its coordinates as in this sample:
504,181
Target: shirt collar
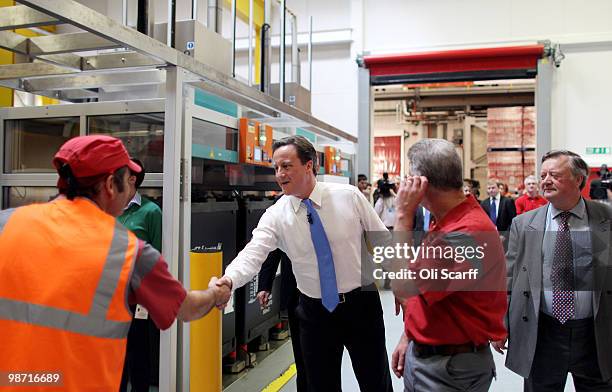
578,211
315,197
457,212
135,200
497,198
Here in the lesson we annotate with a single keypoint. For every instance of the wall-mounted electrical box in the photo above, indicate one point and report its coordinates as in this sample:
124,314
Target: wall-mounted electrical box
332,161
265,142
255,143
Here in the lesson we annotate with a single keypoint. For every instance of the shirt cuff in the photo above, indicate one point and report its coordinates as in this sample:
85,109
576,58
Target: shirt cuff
235,277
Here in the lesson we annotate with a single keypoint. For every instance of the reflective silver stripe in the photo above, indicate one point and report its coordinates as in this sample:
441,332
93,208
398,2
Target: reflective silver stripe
61,319
144,264
107,285
4,217
93,324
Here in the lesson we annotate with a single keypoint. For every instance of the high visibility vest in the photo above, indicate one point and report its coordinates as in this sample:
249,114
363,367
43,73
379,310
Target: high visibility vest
64,273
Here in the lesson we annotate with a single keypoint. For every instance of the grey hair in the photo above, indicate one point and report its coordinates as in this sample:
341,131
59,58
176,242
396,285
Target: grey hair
530,177
437,160
577,165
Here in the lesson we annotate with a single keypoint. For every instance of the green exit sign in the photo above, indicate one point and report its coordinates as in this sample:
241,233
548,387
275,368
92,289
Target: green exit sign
598,150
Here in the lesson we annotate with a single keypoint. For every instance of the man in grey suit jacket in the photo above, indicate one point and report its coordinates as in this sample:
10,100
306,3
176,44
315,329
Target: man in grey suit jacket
560,311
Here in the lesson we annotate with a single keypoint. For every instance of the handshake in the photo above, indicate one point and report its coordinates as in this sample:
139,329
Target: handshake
222,288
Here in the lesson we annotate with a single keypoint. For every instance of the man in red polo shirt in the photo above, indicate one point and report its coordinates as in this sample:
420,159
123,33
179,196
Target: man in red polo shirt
530,200
449,320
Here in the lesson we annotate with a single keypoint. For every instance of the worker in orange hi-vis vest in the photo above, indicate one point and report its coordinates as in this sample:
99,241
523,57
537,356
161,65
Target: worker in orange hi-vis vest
68,272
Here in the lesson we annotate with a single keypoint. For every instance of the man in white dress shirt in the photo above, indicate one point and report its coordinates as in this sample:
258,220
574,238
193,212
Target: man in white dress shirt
320,227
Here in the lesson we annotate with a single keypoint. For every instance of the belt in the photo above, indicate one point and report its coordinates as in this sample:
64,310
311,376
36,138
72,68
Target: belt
571,323
345,297
425,350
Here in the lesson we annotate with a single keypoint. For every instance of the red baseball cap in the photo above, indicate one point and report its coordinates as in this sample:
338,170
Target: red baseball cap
94,155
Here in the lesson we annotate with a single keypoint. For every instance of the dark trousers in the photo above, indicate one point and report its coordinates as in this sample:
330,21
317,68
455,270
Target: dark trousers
356,324
565,348
141,365
294,327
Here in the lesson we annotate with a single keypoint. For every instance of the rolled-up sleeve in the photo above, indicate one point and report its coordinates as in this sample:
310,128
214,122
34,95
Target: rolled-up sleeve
249,261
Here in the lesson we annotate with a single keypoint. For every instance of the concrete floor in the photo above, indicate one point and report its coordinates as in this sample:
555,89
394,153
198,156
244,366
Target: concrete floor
506,380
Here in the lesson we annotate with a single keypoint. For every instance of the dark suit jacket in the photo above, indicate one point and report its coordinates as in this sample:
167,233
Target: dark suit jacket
506,212
524,258
288,290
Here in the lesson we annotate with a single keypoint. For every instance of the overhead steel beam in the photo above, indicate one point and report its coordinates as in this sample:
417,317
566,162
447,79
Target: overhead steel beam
87,19
119,60
13,42
69,43
428,102
84,81
21,16
25,70
53,44
15,84
66,60
17,43
69,95
398,93
477,100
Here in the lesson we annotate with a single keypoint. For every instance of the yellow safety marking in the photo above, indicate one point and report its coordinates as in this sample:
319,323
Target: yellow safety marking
280,382
242,13
205,334
6,57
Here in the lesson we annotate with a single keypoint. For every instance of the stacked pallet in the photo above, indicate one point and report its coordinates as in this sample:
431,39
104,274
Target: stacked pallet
510,144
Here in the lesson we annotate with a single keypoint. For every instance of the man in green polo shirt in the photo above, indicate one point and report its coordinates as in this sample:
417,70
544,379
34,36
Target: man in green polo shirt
144,218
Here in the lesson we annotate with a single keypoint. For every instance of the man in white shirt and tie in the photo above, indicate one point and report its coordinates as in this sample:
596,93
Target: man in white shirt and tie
320,227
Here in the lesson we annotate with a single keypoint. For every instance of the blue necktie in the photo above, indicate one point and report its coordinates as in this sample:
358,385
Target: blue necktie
327,273
493,212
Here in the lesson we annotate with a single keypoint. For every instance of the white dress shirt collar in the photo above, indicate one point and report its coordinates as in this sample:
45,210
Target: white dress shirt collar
137,199
315,197
578,211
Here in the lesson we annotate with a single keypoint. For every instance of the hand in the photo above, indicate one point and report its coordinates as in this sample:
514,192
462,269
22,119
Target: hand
263,297
398,306
219,285
222,296
213,282
225,280
410,194
499,346
222,292
399,356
